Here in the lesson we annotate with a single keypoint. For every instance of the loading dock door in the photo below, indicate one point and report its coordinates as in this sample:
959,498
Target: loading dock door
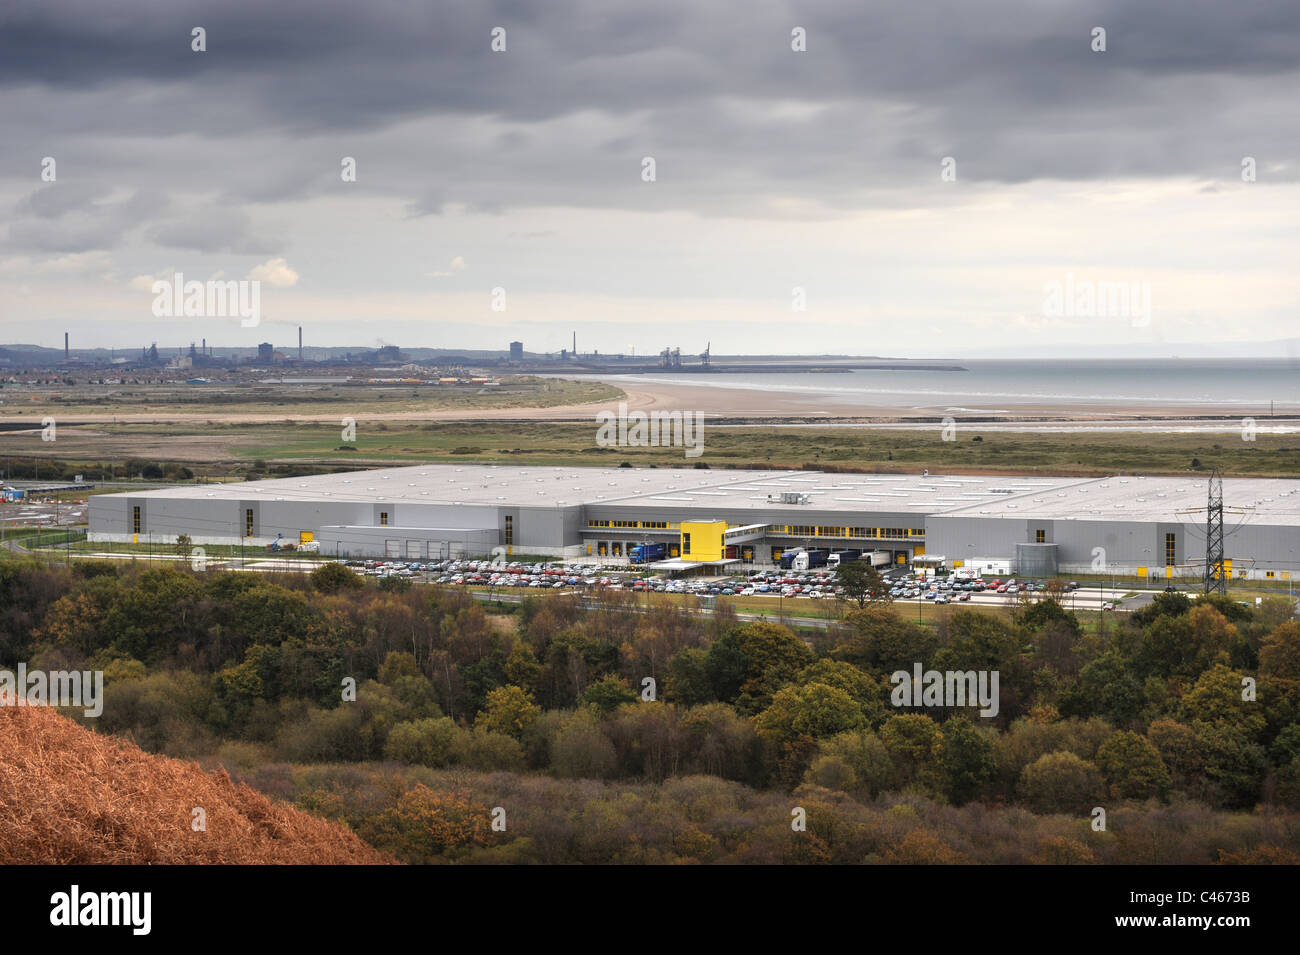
393,548
415,549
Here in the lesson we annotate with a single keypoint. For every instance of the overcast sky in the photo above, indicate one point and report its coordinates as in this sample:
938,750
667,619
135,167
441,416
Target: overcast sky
775,170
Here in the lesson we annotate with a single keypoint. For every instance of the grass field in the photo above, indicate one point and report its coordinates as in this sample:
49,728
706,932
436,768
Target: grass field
217,449
823,448
254,398
45,537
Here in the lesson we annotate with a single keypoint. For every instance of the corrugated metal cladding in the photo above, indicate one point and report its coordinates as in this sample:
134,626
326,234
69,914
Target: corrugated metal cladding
1115,524
1036,560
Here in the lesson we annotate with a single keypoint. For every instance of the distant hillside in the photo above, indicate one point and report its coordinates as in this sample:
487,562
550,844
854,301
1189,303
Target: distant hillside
70,796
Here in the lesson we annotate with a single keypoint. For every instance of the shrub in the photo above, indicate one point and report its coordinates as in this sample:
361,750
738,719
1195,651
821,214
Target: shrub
1061,782
425,742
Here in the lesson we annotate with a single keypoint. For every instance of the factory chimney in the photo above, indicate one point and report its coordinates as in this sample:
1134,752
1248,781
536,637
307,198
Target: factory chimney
66,353
300,343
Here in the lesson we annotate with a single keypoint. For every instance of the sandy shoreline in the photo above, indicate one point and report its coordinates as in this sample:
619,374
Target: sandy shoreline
740,406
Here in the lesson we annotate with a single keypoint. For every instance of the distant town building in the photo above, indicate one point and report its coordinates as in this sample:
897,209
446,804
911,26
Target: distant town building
265,352
516,351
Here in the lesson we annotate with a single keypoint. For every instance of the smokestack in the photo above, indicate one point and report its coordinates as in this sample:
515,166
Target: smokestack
575,344
66,354
300,343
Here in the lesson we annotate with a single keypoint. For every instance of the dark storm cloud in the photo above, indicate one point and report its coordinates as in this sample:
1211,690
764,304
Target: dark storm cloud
1010,88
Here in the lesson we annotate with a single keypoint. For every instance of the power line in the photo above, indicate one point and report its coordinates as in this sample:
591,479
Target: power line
1215,577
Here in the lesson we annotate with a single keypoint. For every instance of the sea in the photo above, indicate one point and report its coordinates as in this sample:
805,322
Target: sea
1107,394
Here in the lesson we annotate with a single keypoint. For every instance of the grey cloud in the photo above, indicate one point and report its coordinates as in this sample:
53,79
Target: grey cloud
55,199
214,229
77,216
737,121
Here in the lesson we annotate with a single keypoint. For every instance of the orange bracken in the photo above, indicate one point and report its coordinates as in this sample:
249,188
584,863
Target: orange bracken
71,796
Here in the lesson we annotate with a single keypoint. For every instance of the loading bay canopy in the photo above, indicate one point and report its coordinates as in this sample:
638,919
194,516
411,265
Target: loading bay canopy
676,565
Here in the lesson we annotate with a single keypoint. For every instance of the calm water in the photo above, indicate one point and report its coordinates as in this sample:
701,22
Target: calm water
1234,386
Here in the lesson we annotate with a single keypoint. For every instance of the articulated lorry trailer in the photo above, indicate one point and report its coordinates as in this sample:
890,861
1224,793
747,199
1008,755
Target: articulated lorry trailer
810,559
645,553
843,556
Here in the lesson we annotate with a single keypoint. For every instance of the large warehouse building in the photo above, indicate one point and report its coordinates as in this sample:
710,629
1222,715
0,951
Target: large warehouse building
1031,525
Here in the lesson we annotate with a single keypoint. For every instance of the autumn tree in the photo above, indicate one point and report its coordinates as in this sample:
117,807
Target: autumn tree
509,710
720,742
1219,698
426,742
798,716
871,695
582,750
333,577
753,661
522,668
854,762
1180,750
425,825
1107,687
155,612
1132,767
814,710
882,642
687,680
862,583
1062,782
967,759
1279,674
914,742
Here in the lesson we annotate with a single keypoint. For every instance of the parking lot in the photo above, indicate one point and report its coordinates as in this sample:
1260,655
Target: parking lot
791,585
43,512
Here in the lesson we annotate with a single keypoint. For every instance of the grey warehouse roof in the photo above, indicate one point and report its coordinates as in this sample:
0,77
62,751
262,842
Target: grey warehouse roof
1167,499
1274,501
540,486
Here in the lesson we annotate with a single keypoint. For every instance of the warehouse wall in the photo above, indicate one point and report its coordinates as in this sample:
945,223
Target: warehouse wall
1116,546
1082,546
407,543
548,530
561,530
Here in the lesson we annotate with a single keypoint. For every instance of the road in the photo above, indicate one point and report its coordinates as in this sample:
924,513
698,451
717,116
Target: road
1084,599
